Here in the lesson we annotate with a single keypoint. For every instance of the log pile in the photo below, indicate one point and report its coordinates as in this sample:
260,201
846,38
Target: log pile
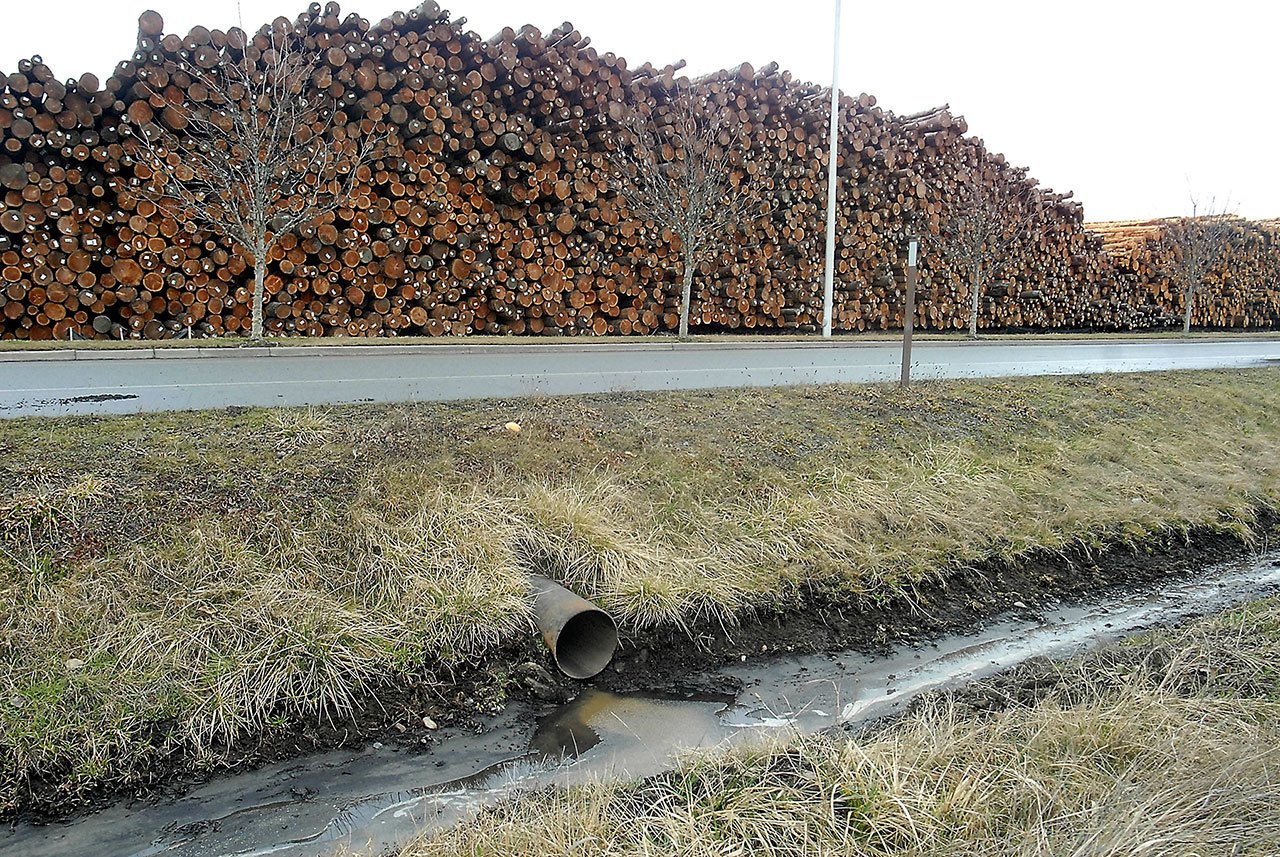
1242,291
492,208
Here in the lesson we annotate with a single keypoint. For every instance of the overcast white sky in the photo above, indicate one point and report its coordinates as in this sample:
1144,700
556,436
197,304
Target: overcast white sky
1129,103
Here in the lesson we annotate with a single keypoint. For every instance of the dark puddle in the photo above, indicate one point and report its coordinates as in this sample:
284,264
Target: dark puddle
371,801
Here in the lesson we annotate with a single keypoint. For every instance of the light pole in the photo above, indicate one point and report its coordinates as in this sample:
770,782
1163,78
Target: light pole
829,284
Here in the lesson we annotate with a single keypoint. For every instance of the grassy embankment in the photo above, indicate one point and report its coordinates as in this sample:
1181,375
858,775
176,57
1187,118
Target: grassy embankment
172,583
1166,747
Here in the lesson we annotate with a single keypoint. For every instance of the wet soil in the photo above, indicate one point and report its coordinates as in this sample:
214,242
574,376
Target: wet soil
423,711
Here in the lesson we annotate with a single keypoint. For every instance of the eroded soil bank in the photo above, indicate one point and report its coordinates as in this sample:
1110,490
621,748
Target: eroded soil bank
380,778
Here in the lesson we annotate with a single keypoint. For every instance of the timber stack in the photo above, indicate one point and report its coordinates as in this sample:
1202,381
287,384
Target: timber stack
492,207
1242,289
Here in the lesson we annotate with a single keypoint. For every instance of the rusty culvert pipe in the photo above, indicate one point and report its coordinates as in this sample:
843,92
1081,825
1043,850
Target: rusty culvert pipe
581,636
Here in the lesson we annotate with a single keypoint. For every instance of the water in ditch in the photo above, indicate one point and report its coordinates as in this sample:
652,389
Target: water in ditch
370,801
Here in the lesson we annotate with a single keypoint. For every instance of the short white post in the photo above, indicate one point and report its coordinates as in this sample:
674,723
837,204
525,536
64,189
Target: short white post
909,314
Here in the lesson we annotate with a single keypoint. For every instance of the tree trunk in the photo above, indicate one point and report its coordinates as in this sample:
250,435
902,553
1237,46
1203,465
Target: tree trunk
1186,312
975,293
686,297
259,289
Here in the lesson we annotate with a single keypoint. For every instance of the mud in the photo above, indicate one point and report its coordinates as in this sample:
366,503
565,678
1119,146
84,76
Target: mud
370,800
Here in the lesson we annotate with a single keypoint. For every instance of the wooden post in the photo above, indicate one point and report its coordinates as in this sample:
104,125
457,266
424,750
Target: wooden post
909,314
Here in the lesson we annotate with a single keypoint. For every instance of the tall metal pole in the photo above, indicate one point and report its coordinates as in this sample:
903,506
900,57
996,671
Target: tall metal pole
909,316
829,285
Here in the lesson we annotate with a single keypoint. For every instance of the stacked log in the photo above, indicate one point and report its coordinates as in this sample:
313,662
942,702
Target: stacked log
1241,291
492,207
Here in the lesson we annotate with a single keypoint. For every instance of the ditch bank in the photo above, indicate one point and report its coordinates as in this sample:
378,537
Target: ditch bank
507,724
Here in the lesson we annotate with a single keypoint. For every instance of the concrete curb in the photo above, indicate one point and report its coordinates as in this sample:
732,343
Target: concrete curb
35,356
585,347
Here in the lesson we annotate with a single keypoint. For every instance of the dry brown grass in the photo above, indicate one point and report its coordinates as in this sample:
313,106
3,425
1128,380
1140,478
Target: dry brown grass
1173,755
178,581
212,632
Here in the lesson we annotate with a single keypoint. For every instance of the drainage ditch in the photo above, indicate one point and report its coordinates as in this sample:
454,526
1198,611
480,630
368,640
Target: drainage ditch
372,800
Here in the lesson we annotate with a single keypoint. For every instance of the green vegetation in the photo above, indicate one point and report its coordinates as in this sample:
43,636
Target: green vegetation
172,583
1168,747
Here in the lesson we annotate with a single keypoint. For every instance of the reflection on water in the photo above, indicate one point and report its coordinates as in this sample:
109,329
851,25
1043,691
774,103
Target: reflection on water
628,721
566,733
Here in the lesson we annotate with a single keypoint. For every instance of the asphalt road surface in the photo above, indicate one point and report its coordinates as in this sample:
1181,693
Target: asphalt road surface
115,382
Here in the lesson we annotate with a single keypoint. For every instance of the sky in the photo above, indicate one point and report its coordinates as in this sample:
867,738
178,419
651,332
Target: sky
1135,106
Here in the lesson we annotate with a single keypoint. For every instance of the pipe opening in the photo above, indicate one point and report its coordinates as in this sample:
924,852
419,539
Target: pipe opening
586,644
581,636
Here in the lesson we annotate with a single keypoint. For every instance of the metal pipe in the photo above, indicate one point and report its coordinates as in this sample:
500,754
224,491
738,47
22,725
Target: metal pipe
829,278
582,637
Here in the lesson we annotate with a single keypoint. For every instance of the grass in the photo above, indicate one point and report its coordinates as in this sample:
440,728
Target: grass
1172,752
173,583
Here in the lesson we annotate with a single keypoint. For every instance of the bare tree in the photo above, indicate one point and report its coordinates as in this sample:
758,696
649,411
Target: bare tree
258,157
981,224
1197,247
677,169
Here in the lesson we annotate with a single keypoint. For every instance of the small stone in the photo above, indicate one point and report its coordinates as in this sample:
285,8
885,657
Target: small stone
429,723
1020,605
545,692
513,427
74,664
529,672
401,728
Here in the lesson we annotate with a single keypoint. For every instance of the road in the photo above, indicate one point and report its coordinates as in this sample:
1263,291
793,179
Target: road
116,382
